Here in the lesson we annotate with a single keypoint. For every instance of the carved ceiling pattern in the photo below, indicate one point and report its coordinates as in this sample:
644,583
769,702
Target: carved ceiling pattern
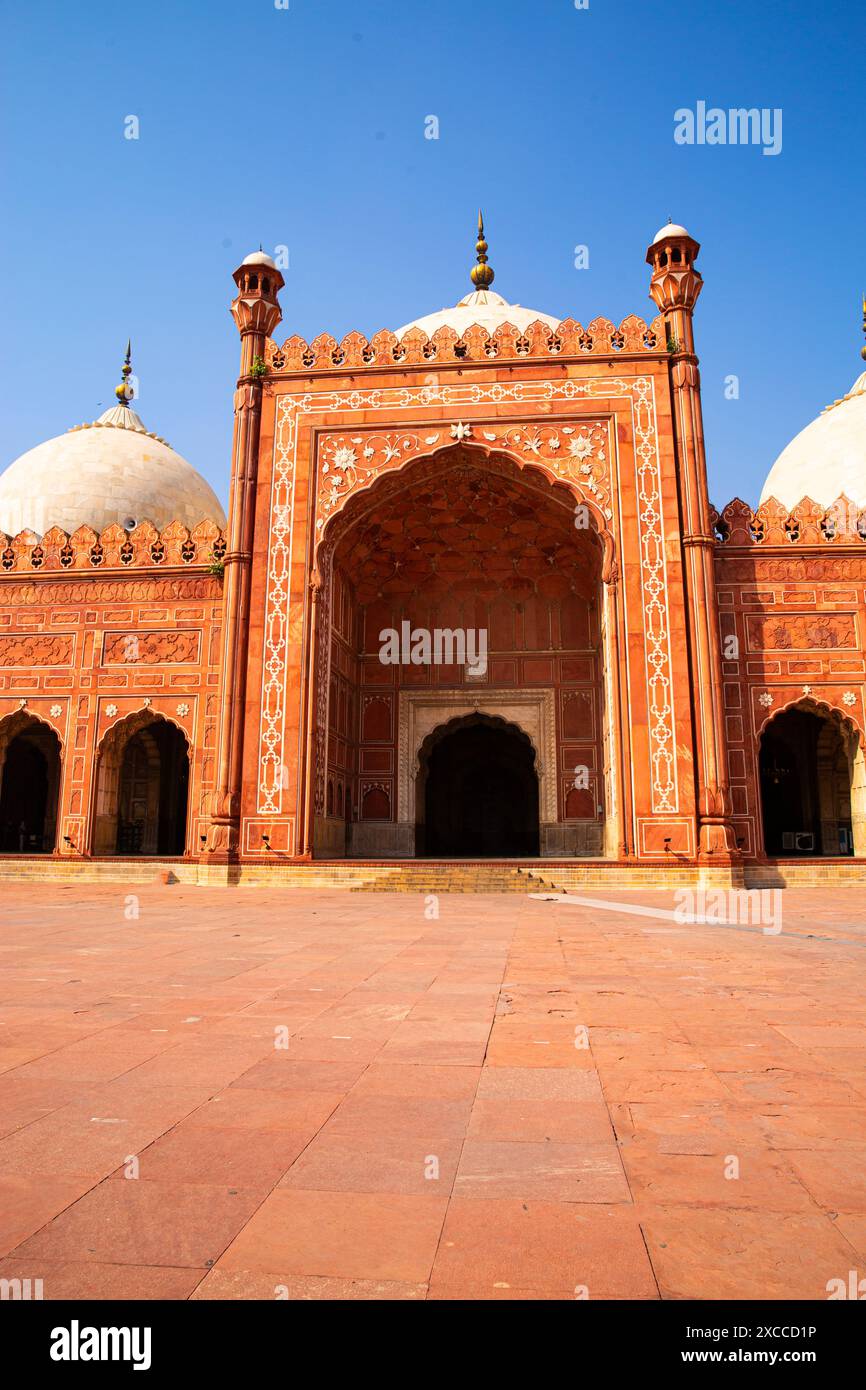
460,526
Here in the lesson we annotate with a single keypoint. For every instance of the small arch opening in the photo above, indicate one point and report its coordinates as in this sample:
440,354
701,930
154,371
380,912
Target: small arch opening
29,785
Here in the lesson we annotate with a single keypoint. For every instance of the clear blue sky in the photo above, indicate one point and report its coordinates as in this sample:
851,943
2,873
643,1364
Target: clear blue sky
305,127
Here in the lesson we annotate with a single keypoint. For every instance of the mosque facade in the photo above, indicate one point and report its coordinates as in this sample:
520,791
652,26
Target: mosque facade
471,602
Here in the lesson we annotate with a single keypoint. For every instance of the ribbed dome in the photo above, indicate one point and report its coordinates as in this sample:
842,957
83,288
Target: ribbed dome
827,459
484,307
110,471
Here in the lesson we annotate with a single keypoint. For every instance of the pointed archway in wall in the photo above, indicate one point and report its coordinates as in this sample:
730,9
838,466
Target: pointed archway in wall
142,788
464,542
29,785
477,792
813,784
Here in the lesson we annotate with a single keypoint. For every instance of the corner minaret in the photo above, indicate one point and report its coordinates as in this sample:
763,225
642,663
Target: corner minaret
674,286
256,311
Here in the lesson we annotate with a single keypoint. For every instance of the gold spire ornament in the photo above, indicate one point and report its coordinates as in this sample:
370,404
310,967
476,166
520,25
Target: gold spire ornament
481,274
124,392
863,349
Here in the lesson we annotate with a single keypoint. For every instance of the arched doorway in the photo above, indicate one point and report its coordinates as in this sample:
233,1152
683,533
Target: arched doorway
808,768
463,547
142,788
477,794
29,785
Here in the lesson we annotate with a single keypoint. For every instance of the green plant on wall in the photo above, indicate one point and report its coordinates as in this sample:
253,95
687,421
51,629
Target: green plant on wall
259,367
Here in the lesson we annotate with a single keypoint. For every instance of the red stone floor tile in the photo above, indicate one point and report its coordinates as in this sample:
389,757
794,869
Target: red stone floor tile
241,1107
719,1253
700,1127
77,1141
410,1163
206,1156
551,1247
555,1172
538,1083
342,1235
371,1115
833,1127
87,1279
144,1223
29,1202
853,1227
21,1102
417,1079
780,1086
755,1178
252,1284
281,1071
836,1179
569,1122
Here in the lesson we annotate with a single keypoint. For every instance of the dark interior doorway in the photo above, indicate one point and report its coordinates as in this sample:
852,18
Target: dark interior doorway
805,786
153,791
480,794
29,791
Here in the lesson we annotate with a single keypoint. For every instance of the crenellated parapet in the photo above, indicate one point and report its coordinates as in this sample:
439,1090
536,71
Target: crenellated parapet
114,548
385,349
771,524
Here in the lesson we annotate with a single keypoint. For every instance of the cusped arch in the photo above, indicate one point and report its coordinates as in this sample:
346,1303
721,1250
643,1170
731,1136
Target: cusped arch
109,759
130,724
30,790
836,790
463,721
823,707
10,727
475,451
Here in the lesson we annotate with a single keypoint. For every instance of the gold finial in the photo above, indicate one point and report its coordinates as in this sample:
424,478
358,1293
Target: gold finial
124,392
481,274
863,349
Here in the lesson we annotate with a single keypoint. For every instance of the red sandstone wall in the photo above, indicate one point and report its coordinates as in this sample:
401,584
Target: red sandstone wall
323,400
66,654
793,594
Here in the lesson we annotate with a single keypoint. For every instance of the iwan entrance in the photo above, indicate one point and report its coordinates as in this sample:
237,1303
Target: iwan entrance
477,792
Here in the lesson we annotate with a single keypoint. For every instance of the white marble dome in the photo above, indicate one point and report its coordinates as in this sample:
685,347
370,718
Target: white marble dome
110,471
671,229
827,459
484,307
259,258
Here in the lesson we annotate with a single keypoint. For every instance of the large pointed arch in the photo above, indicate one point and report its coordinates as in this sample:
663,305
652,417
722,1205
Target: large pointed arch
536,539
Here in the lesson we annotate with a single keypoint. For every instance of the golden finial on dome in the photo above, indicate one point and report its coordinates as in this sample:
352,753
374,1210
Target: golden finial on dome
481,274
124,392
863,349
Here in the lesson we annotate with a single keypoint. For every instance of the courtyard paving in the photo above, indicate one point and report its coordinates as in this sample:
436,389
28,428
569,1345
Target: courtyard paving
234,1094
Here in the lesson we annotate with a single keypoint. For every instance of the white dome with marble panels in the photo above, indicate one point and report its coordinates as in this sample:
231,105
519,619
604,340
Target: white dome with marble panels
484,307
827,459
111,471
